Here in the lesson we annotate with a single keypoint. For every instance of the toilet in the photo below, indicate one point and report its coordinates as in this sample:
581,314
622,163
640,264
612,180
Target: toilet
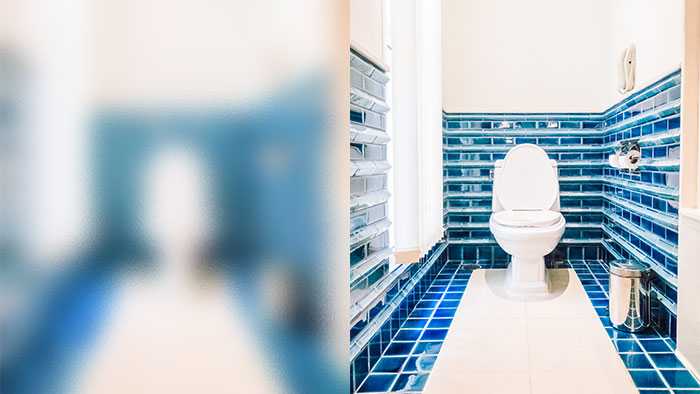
526,221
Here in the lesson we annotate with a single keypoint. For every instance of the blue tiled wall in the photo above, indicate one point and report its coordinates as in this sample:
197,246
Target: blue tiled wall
641,210
609,213
368,344
472,142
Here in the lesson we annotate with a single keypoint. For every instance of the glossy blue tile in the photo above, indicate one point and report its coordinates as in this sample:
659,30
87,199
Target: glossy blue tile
410,382
414,323
440,323
433,335
449,304
445,312
389,364
428,348
665,360
421,313
407,335
636,361
647,379
411,364
426,304
399,348
654,345
679,378
627,345
377,383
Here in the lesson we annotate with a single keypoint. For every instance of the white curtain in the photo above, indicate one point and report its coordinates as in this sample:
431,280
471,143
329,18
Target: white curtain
417,126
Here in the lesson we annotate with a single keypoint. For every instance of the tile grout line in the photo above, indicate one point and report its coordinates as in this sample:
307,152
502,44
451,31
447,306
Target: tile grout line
408,317
586,267
634,336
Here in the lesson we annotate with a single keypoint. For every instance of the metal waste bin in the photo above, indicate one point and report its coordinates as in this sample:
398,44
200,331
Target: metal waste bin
629,295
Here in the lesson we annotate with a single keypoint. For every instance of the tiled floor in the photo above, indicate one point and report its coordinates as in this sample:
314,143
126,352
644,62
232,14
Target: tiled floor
406,364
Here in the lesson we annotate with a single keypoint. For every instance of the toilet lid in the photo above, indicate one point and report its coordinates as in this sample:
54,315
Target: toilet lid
527,218
527,179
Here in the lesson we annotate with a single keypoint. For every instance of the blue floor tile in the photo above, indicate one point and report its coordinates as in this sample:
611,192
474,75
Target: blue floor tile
426,363
412,364
665,360
596,295
421,313
648,334
449,304
655,345
647,379
426,304
636,361
389,364
377,382
444,312
433,335
627,346
407,335
599,302
616,334
679,379
439,323
410,382
415,323
453,296
428,348
399,348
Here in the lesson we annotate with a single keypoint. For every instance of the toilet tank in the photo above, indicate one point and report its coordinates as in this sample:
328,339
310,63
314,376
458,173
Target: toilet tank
496,205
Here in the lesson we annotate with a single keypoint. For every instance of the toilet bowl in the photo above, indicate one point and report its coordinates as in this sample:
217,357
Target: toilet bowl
526,221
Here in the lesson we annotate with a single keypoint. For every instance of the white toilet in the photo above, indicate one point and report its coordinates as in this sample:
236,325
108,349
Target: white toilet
526,221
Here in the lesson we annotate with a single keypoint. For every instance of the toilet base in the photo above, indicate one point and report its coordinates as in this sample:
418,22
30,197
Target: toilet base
527,278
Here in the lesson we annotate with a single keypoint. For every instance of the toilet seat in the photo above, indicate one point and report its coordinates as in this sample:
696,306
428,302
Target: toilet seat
527,179
530,218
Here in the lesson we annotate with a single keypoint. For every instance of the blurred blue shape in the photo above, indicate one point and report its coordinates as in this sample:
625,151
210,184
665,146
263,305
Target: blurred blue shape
264,163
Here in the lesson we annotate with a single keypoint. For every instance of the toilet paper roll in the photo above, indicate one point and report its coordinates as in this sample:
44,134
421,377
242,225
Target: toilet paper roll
623,162
614,160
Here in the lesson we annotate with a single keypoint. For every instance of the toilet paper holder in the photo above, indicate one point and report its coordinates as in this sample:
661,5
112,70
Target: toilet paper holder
627,156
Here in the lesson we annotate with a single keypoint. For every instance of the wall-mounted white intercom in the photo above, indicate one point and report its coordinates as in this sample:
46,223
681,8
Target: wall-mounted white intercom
627,69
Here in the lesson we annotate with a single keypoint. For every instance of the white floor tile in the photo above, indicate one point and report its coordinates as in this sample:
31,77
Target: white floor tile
557,345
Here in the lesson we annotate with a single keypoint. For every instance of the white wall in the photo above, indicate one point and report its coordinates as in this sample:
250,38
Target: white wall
526,56
689,220
655,27
689,288
367,29
552,56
